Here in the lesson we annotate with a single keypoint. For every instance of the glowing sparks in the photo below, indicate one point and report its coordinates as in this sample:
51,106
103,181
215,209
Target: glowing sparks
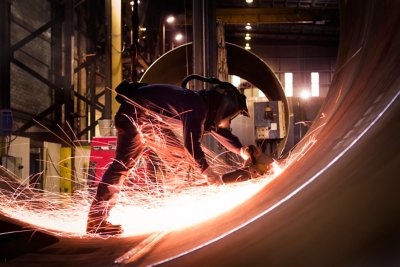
169,195
276,169
178,210
138,211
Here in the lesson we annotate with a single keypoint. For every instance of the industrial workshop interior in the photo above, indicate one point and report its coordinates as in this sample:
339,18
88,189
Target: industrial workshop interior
199,133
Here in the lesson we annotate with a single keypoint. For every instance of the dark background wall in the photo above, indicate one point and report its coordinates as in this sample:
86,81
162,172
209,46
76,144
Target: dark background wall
28,95
301,60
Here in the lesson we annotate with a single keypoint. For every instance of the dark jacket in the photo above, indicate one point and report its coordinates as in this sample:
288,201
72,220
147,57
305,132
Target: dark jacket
185,106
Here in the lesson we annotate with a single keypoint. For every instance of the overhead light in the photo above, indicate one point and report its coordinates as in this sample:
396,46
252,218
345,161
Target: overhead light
305,94
248,26
249,1
178,37
170,19
247,47
247,37
132,3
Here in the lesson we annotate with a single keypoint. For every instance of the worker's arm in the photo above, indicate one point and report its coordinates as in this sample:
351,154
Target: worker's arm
192,134
228,140
231,142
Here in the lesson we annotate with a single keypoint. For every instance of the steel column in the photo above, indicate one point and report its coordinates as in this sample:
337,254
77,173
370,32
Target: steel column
69,120
5,54
204,39
56,61
205,48
68,63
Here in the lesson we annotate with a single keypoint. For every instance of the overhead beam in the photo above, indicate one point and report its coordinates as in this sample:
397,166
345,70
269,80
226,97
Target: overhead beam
269,15
260,33
275,15
274,40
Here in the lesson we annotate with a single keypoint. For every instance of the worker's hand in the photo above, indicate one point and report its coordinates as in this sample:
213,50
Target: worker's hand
245,153
257,159
248,153
212,177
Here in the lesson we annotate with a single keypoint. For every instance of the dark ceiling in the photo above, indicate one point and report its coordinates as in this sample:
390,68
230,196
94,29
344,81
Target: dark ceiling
281,22
274,22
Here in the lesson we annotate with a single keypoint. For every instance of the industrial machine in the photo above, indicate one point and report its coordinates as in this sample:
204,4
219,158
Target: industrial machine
270,126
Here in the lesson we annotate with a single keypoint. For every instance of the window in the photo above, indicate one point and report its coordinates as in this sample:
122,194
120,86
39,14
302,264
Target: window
314,84
288,84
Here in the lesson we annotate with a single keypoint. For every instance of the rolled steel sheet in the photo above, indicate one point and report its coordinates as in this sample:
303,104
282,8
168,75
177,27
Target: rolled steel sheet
176,64
336,205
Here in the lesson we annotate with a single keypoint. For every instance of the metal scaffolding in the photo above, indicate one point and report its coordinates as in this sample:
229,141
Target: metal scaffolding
75,80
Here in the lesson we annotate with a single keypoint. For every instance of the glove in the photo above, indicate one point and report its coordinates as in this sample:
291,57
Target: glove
257,159
212,177
250,154
245,152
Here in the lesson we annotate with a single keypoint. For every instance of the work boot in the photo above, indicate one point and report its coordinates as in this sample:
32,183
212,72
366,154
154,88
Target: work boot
97,219
102,227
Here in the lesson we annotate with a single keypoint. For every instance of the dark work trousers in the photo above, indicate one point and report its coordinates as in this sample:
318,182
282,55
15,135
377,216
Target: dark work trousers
129,147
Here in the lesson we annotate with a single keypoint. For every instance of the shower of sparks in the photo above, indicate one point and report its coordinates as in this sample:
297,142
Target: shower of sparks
172,196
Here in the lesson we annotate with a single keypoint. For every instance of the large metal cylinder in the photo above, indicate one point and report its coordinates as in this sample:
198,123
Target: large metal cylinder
175,65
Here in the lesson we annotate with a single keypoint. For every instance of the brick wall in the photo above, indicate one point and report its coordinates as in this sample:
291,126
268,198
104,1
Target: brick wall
28,94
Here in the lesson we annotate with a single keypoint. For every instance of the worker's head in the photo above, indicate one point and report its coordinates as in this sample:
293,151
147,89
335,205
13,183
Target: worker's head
224,102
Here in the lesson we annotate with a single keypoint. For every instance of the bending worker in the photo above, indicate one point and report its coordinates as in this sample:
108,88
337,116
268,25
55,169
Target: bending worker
199,112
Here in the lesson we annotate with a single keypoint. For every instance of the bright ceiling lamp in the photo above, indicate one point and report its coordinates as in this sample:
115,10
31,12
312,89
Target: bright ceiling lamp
305,94
178,37
170,19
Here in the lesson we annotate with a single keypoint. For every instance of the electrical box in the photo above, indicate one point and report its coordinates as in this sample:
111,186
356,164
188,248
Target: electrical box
6,122
269,120
13,164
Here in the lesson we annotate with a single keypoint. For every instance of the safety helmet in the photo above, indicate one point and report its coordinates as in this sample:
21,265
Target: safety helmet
224,102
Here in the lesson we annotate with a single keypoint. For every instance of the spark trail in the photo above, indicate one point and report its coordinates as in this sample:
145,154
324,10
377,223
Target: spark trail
172,196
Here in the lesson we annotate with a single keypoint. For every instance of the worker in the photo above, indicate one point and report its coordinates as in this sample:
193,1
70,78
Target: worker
199,112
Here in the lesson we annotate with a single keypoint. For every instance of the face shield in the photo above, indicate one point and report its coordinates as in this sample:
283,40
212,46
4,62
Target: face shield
224,102
232,104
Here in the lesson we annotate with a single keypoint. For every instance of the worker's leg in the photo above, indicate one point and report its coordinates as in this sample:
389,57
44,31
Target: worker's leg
129,147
